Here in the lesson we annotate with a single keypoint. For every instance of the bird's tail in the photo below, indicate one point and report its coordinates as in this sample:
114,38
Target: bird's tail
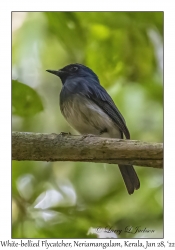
130,178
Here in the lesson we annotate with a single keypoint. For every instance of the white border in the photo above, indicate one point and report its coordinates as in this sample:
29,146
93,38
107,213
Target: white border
5,93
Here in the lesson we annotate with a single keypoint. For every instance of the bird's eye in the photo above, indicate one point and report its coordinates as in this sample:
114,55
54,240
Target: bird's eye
74,69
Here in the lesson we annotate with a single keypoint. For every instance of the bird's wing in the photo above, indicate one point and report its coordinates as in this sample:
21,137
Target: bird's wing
101,98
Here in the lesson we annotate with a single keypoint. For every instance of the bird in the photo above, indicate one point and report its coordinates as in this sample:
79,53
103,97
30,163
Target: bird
89,109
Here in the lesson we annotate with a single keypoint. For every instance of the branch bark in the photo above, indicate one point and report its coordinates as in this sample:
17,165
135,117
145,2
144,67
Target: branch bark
65,147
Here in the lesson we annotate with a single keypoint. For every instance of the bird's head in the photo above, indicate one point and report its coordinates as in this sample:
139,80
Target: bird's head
72,71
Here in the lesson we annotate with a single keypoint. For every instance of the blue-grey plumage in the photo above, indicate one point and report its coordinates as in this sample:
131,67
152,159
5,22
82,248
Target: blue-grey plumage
89,109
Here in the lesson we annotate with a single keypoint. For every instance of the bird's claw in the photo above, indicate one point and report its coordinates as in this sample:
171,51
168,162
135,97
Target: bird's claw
64,133
88,135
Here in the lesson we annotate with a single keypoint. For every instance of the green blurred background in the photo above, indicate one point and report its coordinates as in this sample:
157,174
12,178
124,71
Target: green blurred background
66,199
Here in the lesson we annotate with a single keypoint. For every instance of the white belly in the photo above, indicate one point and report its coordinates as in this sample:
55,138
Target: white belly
87,118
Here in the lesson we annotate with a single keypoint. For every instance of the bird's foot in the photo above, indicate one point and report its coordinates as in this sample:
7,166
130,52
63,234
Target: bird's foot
64,133
88,135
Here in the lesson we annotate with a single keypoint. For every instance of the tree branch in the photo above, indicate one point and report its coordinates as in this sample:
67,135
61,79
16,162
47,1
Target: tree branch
65,147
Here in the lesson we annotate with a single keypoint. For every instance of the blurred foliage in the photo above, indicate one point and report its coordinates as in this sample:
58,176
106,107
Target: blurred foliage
25,100
66,199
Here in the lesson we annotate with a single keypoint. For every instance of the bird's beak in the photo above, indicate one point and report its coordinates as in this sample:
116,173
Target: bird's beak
55,72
